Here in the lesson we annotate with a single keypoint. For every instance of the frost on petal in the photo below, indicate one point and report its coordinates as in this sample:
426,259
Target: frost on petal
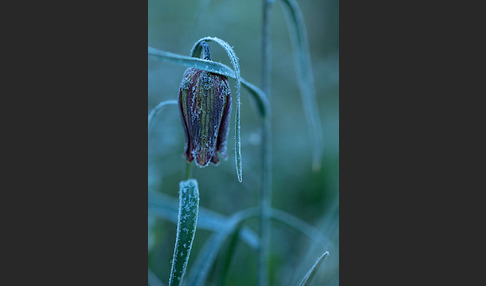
205,106
224,128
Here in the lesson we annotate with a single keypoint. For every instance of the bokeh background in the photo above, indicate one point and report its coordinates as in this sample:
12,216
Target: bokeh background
175,26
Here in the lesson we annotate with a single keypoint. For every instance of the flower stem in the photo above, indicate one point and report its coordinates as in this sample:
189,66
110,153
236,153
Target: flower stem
188,171
205,51
266,192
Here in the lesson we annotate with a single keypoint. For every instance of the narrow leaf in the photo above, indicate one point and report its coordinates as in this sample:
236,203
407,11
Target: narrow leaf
205,260
156,110
311,232
166,207
308,277
305,78
206,257
228,255
186,229
196,50
257,94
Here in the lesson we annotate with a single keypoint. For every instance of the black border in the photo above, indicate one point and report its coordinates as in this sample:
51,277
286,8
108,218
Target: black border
407,134
82,219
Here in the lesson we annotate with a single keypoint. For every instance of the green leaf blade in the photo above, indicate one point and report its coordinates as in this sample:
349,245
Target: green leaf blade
305,78
186,229
206,257
308,277
257,94
165,207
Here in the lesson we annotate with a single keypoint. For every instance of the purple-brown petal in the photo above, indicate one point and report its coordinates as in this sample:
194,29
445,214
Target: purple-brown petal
224,127
205,105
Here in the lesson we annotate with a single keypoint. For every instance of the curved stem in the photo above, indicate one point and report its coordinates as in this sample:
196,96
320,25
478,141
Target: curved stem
205,51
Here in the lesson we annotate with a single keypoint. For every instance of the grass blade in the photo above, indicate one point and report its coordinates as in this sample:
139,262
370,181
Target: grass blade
228,256
308,277
305,78
206,257
166,207
311,232
257,94
186,229
195,52
156,110
205,260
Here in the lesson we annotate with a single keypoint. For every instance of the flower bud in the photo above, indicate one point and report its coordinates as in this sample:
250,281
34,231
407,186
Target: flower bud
205,105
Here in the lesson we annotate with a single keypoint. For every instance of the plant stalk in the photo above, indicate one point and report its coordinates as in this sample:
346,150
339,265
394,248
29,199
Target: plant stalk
266,192
188,171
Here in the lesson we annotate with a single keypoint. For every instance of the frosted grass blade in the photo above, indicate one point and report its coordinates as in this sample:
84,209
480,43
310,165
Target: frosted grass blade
186,229
257,94
305,78
206,257
308,277
195,52
166,207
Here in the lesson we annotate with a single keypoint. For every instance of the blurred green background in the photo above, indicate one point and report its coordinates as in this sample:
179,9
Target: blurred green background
174,26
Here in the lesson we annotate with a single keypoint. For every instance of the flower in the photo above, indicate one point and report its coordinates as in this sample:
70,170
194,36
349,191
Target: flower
205,106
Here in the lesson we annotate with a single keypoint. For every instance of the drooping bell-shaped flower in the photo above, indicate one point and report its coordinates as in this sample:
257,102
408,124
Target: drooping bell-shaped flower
205,105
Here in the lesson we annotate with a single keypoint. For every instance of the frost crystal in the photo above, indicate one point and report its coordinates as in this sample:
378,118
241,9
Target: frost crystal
205,106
